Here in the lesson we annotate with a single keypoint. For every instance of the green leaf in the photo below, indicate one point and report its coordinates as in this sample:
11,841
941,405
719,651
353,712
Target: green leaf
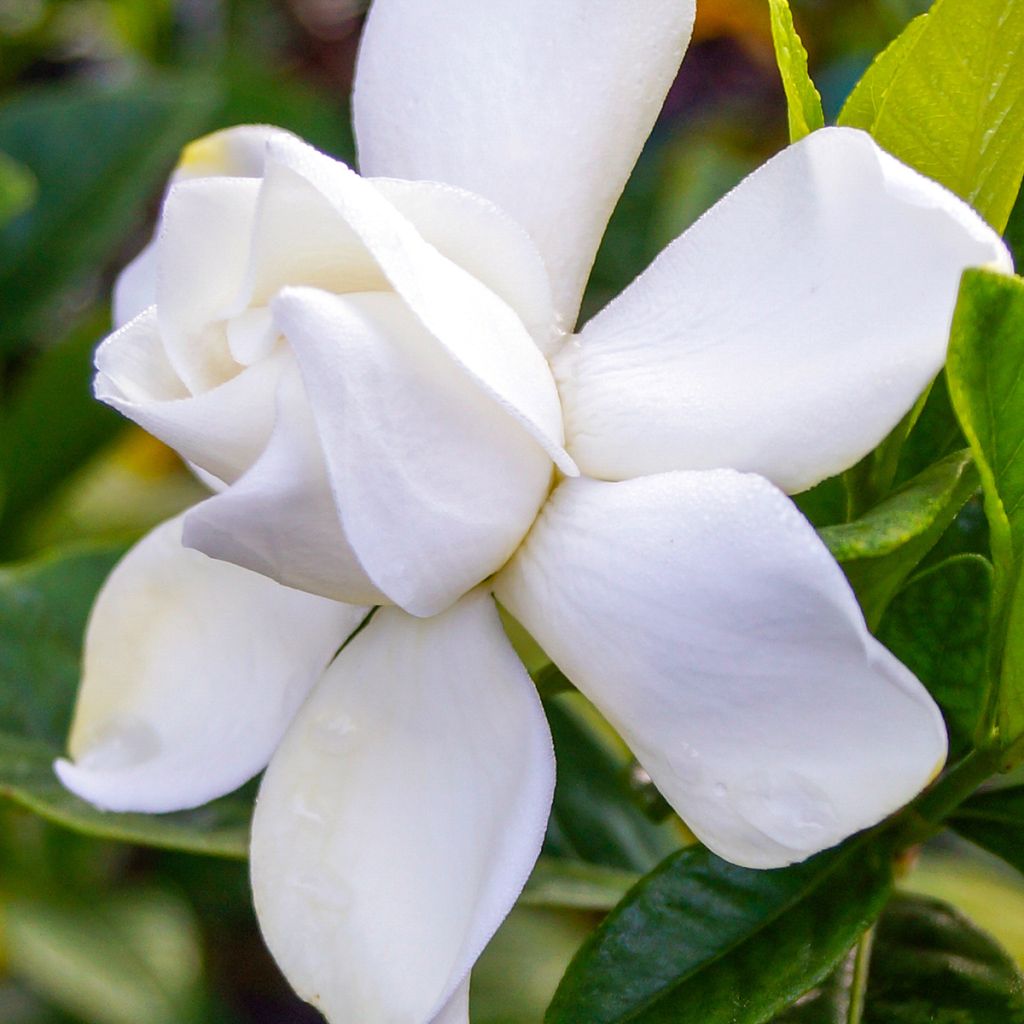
701,941
43,611
559,882
118,960
839,998
803,101
595,816
907,514
925,963
947,98
864,103
931,965
938,627
50,424
18,188
995,822
99,155
985,368
881,549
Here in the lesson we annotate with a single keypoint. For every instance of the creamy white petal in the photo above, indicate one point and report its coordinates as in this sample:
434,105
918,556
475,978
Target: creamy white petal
202,254
480,332
786,332
456,1010
237,152
221,430
401,816
280,519
706,620
540,107
477,236
234,152
135,288
436,483
193,670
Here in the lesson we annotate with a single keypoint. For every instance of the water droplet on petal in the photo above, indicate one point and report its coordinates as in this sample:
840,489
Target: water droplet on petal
332,733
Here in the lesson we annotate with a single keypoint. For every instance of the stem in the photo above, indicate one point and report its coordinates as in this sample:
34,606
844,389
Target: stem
925,816
859,983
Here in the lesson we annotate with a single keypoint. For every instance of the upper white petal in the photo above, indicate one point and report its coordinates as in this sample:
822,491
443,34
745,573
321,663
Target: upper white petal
787,331
540,107
702,615
436,484
193,669
401,816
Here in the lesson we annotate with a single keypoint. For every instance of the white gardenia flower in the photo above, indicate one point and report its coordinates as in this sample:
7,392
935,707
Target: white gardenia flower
375,375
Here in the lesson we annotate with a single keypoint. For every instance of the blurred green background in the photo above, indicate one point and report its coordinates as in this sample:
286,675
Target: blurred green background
97,98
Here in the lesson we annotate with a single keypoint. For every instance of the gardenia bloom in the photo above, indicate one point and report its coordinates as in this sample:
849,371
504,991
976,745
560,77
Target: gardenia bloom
375,375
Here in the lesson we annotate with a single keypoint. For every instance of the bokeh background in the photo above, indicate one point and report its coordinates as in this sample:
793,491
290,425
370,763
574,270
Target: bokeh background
96,99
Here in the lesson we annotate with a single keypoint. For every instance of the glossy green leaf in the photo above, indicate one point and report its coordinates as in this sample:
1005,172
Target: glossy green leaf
43,611
930,964
881,549
985,368
99,155
912,511
560,882
839,998
926,963
865,101
995,822
701,941
947,98
803,101
938,626
18,188
595,816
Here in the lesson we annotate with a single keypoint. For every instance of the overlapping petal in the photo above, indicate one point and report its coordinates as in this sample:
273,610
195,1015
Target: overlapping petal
436,484
232,152
280,518
786,332
202,255
401,816
703,616
480,333
542,108
477,236
193,670
221,430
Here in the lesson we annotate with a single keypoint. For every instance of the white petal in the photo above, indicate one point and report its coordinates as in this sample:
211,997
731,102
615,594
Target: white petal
702,615
202,253
193,670
436,483
401,816
481,334
221,430
787,331
475,235
280,519
542,108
